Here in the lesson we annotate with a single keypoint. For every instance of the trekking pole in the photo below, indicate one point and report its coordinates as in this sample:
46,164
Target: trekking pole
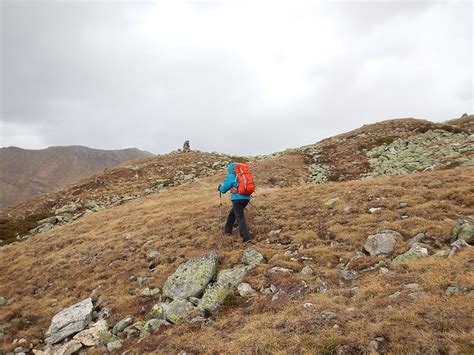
256,209
220,214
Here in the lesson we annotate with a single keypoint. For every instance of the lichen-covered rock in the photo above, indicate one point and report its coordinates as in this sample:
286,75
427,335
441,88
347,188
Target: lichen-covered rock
420,152
457,246
380,243
158,311
122,324
69,321
463,230
232,276
191,277
252,257
415,252
71,207
90,336
178,310
214,297
152,326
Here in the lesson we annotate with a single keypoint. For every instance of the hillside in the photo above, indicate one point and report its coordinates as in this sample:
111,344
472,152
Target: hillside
25,173
112,235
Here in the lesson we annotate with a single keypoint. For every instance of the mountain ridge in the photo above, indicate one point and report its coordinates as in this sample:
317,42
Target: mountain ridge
26,173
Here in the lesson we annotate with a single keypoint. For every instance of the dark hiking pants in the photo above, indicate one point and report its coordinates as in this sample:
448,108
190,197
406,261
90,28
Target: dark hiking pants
237,212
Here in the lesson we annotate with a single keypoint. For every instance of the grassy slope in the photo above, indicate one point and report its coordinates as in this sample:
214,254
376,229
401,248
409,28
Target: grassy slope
98,255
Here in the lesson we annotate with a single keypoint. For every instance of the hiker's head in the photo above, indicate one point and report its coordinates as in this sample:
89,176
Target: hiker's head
231,167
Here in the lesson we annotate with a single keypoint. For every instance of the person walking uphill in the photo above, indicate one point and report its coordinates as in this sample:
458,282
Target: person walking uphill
241,185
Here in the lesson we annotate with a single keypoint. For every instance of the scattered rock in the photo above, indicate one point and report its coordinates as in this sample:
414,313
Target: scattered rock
331,201
90,336
417,238
307,270
158,311
411,286
308,305
403,205
347,209
143,281
191,277
349,275
114,345
374,209
49,220
245,290
274,232
178,310
321,286
328,315
278,269
395,295
454,290
381,243
153,325
457,246
442,253
463,230
71,207
2,301
122,324
252,257
69,321
272,289
415,252
150,292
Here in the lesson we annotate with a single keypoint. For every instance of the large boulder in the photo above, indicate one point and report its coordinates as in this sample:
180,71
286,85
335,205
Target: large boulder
191,278
463,230
69,321
380,243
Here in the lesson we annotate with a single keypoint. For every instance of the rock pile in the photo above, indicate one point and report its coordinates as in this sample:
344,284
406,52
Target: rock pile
421,152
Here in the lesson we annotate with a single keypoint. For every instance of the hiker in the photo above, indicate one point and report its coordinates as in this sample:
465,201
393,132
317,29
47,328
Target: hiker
241,185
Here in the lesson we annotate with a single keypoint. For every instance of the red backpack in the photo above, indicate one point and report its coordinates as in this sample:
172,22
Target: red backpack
246,184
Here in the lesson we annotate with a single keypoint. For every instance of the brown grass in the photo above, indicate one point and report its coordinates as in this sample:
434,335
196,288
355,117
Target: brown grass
100,253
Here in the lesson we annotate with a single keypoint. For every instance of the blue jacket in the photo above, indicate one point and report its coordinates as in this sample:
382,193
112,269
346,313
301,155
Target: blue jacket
231,182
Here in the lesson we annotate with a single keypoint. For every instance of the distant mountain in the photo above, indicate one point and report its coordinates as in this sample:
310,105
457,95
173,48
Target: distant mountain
25,173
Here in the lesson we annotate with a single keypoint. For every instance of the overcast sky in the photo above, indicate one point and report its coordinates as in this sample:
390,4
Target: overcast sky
242,77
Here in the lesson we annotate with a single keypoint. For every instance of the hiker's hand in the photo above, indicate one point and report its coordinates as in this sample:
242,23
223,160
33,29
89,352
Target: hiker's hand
219,188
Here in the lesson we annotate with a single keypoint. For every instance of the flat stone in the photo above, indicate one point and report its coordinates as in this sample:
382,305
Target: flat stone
114,345
191,277
90,336
69,321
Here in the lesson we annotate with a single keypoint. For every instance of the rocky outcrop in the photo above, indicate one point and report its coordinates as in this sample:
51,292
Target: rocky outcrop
421,152
69,321
191,278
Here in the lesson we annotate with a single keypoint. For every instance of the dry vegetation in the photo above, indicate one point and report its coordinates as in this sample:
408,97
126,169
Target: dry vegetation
102,254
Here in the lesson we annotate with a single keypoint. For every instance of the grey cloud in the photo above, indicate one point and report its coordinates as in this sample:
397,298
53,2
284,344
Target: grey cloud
223,76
